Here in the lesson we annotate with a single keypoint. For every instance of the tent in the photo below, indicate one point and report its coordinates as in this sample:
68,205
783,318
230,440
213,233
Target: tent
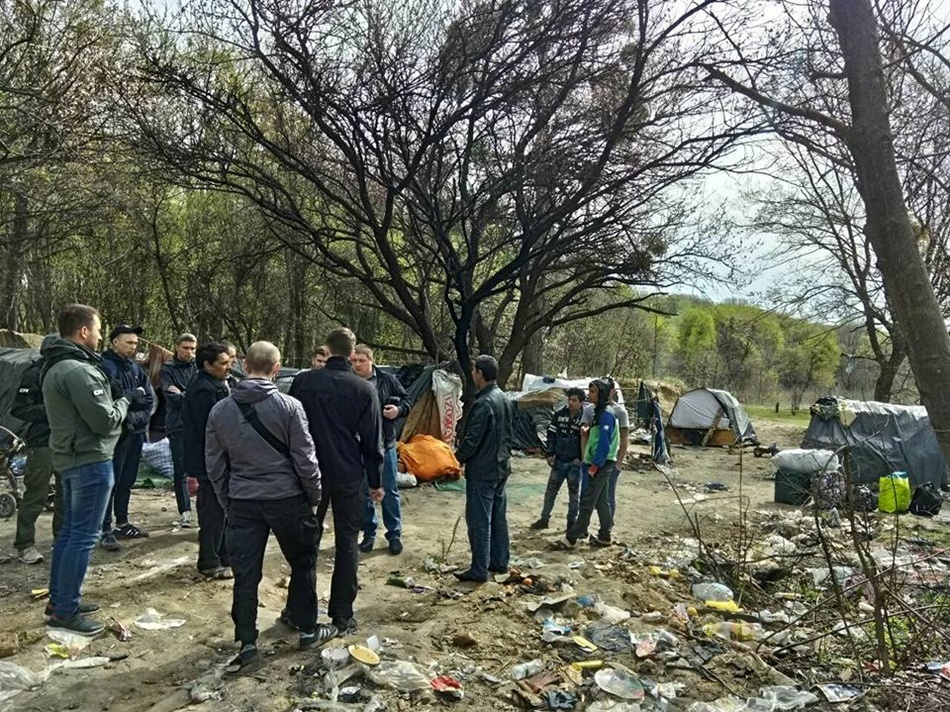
705,416
535,409
882,438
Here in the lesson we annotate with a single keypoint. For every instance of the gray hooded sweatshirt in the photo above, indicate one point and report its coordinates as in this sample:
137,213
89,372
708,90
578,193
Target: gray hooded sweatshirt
242,465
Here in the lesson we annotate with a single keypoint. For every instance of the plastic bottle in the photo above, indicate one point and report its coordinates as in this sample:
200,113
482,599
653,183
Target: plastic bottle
733,631
712,592
523,670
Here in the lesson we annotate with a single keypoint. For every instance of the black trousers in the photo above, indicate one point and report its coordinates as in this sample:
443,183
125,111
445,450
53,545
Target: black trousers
250,522
347,500
212,548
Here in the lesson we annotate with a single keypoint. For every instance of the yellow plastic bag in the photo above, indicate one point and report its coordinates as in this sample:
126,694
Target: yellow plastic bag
894,493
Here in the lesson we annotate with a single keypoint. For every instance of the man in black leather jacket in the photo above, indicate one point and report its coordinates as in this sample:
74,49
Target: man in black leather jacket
485,453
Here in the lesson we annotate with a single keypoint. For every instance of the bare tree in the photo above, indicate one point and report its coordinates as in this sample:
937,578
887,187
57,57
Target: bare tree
478,174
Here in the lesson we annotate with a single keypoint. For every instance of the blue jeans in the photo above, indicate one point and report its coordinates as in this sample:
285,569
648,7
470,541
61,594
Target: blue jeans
561,471
86,491
392,516
486,514
611,487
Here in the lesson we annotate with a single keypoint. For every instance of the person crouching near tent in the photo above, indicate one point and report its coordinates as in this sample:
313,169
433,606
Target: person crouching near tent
260,458
600,458
485,452
564,457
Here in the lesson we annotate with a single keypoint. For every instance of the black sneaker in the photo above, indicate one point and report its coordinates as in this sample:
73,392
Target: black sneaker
109,543
395,546
246,661
366,545
130,531
599,541
540,524
78,624
344,626
285,619
85,608
318,636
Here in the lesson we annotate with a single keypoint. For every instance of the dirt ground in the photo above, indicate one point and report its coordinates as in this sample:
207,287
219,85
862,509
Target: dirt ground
161,666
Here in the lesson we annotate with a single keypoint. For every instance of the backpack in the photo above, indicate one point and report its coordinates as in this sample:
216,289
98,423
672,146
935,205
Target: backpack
926,501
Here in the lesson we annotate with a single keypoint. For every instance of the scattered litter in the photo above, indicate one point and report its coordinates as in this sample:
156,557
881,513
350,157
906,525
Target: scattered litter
406,480
523,670
448,686
83,663
334,658
840,693
16,678
619,683
653,617
611,638
716,487
153,620
788,698
207,687
611,614
712,592
38,594
585,644
733,631
613,706
66,644
363,654
156,568
560,699
728,606
122,634
399,675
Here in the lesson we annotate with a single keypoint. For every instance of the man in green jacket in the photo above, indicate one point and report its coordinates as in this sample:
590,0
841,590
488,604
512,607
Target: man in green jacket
85,424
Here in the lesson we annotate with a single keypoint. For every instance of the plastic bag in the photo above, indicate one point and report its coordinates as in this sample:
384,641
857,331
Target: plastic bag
894,493
712,592
153,620
611,614
399,675
14,677
806,461
926,502
619,683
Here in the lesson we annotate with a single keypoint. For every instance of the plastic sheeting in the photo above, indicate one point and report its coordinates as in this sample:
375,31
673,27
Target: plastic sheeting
697,409
882,438
542,383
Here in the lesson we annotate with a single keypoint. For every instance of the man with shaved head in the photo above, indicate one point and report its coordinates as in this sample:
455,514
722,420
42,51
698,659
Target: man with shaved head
260,458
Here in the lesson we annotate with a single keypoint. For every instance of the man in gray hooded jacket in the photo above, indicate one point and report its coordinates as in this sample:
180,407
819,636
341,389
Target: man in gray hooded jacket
260,458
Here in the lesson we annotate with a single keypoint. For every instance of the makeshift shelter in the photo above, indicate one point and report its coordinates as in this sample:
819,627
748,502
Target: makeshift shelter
13,363
705,416
534,412
542,383
437,404
882,438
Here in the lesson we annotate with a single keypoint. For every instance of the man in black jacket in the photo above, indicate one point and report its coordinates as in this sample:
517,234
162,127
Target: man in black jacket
28,407
261,461
345,422
208,387
395,404
127,379
175,377
564,457
485,452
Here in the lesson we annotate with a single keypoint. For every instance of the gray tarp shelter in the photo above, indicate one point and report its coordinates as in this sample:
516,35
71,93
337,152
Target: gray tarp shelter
696,411
882,438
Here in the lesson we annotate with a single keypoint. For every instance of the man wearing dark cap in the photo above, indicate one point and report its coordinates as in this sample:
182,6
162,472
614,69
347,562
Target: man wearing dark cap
130,380
176,375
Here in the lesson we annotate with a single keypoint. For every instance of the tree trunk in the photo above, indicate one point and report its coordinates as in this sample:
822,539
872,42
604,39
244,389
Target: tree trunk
884,385
13,258
906,282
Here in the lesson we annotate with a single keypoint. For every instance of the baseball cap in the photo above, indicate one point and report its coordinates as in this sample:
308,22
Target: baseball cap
125,329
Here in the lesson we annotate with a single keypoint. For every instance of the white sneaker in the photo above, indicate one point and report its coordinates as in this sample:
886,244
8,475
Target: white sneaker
184,521
30,556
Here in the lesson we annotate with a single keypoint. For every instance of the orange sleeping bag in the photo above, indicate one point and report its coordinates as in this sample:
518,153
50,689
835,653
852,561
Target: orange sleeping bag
428,458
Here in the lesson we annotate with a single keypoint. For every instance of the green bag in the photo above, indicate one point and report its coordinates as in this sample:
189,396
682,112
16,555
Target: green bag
895,493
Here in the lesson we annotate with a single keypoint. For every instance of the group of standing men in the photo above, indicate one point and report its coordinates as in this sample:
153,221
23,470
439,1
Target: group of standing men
268,463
